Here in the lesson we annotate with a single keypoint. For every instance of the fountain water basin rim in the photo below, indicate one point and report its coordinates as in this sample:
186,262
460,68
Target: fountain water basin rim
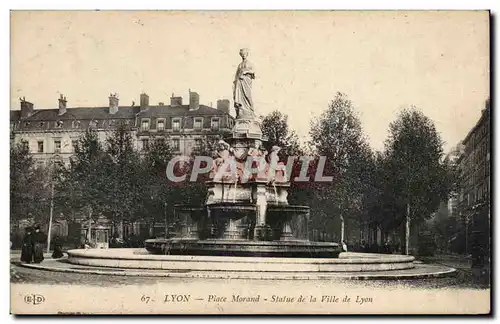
138,254
243,248
140,259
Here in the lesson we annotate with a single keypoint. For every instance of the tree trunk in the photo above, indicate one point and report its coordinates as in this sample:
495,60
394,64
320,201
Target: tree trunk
407,229
89,234
151,228
51,212
120,230
17,227
342,226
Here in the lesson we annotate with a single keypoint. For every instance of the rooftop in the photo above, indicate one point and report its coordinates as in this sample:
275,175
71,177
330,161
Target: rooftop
127,112
485,113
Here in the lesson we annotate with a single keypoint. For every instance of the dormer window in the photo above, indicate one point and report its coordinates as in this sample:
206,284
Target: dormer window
145,124
176,124
42,124
26,124
198,123
160,125
59,124
215,123
76,124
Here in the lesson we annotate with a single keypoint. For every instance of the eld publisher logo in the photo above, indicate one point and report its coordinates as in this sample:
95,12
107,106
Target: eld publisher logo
34,299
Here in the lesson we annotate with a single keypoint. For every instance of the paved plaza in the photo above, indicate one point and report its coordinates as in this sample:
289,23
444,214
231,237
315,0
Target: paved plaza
461,279
64,292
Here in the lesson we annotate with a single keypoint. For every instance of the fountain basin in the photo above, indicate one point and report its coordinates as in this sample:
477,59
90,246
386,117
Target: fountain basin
141,259
244,248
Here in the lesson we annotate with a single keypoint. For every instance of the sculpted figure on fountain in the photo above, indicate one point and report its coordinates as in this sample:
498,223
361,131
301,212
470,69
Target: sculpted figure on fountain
242,87
273,162
224,156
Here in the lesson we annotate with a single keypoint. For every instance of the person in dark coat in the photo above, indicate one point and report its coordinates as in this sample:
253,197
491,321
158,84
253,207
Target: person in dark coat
39,240
363,246
58,253
27,246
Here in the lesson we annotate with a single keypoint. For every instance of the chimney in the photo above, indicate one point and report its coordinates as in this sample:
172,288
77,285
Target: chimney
175,101
62,105
144,101
194,100
26,108
223,105
113,103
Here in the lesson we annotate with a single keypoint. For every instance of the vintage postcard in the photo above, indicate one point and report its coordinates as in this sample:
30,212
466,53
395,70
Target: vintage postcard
250,162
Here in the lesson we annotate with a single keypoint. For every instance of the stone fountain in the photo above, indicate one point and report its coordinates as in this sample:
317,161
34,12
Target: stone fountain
246,228
246,212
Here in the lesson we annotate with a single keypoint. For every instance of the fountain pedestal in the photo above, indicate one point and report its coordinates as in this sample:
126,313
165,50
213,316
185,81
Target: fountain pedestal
235,229
261,227
286,232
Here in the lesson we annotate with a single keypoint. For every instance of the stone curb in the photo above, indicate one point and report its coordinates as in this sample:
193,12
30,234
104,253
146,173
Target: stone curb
257,275
355,258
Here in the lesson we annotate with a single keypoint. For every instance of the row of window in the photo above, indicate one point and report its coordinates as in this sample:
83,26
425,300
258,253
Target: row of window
60,124
473,175
145,125
176,124
479,193
481,152
57,146
174,144
483,131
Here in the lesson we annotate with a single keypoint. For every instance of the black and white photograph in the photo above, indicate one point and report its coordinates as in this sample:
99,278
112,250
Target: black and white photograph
216,162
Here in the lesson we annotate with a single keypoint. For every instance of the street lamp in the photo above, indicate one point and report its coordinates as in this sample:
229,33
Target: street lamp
166,223
51,211
49,231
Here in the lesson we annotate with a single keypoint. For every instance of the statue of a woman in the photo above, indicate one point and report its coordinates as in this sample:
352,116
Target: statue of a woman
242,88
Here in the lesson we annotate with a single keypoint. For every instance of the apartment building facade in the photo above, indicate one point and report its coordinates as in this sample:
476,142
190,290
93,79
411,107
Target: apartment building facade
52,133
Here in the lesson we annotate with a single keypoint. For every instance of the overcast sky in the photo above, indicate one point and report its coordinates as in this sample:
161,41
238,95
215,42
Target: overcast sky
383,61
